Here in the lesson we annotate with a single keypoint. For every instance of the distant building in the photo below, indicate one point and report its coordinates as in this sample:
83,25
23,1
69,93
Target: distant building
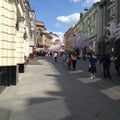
57,42
67,39
43,38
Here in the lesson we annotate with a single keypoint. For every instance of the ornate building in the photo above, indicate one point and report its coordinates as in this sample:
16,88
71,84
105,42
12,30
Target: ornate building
87,32
43,38
67,39
111,25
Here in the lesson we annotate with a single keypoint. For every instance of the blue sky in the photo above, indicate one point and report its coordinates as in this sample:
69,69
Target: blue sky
59,15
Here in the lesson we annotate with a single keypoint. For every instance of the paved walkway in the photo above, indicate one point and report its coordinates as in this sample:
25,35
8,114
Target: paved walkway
48,91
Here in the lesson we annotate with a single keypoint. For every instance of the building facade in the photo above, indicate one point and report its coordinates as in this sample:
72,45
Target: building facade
67,39
13,34
87,31
111,25
99,28
43,38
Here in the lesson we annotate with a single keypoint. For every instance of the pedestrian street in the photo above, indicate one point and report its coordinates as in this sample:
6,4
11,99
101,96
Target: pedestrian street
49,91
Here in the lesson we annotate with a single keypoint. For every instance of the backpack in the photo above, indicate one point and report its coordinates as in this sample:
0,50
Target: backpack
69,59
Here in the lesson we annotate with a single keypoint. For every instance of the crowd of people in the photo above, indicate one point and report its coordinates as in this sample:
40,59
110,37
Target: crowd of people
71,59
106,60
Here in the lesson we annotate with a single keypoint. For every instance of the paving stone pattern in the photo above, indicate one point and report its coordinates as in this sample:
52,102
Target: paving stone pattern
49,91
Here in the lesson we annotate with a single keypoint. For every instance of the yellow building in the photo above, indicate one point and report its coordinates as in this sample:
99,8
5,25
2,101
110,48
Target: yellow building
67,39
43,38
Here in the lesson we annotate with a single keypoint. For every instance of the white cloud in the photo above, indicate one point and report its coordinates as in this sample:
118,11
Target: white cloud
90,2
75,1
60,36
72,19
57,25
69,20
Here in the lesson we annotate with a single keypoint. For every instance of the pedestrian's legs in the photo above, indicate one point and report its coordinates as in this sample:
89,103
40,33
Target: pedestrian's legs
92,75
119,70
108,71
69,65
104,71
63,61
55,59
74,64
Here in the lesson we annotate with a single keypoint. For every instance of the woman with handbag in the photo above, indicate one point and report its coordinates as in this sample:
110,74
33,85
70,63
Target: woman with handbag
92,65
74,60
69,59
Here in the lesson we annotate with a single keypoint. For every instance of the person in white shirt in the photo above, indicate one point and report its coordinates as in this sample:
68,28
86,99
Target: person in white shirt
55,56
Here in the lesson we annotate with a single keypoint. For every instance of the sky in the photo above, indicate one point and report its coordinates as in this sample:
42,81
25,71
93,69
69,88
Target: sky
59,15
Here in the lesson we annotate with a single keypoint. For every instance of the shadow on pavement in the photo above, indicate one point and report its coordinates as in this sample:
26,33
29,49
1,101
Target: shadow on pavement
78,97
86,99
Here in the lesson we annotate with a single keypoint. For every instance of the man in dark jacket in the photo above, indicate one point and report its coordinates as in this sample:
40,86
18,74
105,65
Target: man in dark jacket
106,65
117,65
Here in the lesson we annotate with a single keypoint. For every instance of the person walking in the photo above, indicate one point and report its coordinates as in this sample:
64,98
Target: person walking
74,60
92,64
64,56
55,55
69,59
117,65
106,65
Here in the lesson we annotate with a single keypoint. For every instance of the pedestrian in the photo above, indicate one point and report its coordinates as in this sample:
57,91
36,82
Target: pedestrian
69,59
106,65
117,65
64,57
92,64
55,56
74,60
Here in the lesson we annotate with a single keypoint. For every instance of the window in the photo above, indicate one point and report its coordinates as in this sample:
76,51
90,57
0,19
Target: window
112,0
111,13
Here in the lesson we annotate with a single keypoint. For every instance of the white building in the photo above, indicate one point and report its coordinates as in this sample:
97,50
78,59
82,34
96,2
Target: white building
88,30
12,42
